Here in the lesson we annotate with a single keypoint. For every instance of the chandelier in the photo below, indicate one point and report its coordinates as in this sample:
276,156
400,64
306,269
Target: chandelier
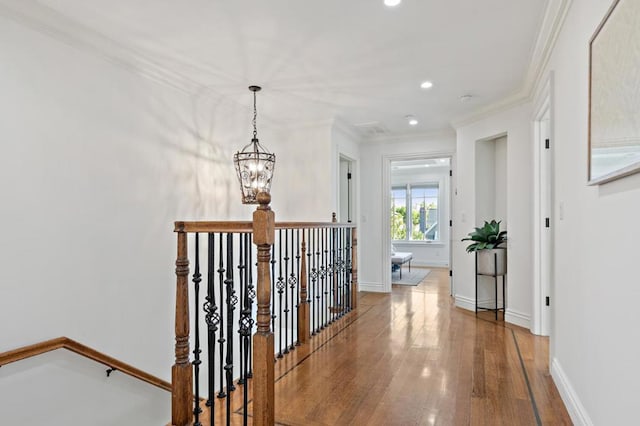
254,164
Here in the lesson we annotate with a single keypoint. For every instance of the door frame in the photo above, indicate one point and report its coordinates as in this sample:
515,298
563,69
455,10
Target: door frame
385,260
543,284
351,188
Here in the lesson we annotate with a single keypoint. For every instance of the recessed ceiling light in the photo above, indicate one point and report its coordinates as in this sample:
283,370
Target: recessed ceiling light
466,98
412,120
392,3
426,85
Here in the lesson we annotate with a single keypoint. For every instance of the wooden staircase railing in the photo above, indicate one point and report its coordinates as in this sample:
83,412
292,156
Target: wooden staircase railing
306,278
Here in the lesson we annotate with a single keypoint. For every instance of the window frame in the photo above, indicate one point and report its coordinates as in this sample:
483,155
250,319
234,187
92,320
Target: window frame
409,208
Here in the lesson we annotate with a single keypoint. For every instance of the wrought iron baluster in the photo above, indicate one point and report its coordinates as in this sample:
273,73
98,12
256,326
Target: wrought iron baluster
339,277
335,312
212,320
241,284
339,283
309,281
293,285
232,300
348,268
246,324
221,339
323,268
280,284
273,288
297,283
329,274
341,270
345,265
197,278
304,317
284,288
321,281
319,285
252,297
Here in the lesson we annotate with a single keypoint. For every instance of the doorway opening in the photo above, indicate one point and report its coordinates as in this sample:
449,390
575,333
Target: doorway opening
346,190
416,213
491,204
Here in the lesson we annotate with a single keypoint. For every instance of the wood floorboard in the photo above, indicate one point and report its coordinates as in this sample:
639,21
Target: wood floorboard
415,359
412,358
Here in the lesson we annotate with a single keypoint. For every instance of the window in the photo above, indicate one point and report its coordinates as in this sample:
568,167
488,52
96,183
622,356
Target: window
414,212
399,213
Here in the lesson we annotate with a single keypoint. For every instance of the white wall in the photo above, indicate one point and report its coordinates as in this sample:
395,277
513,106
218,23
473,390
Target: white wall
96,163
303,186
485,165
373,240
516,123
500,190
595,348
491,181
70,389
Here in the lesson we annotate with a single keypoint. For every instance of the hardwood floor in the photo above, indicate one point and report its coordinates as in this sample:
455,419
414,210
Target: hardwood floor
412,358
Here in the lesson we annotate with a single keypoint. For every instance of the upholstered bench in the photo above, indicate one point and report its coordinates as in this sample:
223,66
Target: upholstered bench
400,258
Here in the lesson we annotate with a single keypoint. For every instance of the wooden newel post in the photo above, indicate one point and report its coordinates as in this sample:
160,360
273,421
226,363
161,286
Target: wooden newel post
263,351
182,373
354,268
303,309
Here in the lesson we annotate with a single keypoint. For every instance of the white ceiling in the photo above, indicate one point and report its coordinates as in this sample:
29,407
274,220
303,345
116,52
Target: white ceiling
316,60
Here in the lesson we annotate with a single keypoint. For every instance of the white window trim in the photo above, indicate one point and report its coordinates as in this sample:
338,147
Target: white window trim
408,224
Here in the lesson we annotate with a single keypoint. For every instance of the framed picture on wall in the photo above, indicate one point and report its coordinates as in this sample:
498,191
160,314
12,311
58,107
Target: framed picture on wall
614,94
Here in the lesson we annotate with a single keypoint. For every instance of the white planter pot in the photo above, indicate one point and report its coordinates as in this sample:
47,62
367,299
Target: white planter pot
492,261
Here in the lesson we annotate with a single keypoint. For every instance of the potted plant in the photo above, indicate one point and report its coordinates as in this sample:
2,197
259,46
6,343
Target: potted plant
486,242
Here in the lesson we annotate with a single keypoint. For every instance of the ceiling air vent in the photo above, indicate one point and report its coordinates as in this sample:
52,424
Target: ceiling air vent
373,128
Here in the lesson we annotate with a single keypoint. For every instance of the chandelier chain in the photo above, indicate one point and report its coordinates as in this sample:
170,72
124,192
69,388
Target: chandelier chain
255,117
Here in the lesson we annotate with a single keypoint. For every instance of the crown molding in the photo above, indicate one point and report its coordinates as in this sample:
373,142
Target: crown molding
504,104
347,129
56,25
412,137
554,17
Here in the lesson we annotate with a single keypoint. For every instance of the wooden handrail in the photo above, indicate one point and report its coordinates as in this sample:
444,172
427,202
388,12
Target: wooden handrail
83,350
216,226
247,227
305,225
32,350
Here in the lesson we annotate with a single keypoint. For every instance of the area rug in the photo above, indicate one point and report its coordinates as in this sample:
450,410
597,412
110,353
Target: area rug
409,278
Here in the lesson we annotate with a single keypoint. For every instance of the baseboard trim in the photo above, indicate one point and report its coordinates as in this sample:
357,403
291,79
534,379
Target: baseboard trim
429,264
511,316
465,303
517,318
370,287
576,410
470,303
